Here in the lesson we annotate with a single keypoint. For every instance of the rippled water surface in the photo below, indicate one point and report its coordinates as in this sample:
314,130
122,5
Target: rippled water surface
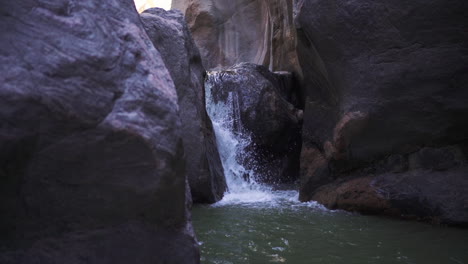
277,229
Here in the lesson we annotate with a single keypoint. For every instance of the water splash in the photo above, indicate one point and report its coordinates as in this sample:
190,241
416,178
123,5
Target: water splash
233,141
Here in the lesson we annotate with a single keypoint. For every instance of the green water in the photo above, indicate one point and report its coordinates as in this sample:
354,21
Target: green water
281,230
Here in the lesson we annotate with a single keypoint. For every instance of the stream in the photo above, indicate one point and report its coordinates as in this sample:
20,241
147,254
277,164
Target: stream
286,231
255,223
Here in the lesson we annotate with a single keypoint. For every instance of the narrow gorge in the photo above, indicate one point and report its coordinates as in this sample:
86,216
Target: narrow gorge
233,131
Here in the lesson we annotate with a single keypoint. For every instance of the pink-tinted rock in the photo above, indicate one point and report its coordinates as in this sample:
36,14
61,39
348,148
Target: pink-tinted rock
229,32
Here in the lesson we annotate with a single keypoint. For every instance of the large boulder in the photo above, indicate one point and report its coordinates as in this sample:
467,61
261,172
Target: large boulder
257,99
383,79
428,185
91,160
229,32
170,35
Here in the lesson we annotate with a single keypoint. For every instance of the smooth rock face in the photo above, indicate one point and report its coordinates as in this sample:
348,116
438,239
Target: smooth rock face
382,79
229,32
170,35
273,123
91,160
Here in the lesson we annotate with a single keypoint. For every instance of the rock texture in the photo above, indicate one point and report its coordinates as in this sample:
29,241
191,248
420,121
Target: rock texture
261,111
91,160
428,185
229,32
170,34
383,79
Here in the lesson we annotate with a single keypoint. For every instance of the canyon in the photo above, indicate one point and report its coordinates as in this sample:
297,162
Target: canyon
114,123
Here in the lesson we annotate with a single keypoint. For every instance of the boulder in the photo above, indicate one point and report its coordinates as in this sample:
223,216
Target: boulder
434,196
262,113
381,79
427,185
91,160
229,32
171,36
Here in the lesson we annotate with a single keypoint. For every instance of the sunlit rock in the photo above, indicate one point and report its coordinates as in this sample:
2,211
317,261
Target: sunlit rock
229,32
142,5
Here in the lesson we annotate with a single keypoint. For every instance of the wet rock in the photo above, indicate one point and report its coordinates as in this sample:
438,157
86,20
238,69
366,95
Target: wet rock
407,186
428,195
229,32
355,195
170,35
261,112
91,158
401,67
315,174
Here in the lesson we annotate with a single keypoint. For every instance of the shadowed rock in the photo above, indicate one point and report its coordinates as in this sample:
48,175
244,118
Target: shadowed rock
170,35
91,160
382,79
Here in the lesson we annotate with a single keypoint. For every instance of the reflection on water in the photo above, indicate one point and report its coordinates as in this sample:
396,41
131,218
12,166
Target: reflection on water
278,229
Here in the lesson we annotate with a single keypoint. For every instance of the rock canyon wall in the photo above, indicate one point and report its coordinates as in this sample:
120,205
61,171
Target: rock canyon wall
104,128
229,32
91,162
170,34
386,93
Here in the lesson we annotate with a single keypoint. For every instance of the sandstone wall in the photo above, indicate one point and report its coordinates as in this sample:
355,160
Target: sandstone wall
229,32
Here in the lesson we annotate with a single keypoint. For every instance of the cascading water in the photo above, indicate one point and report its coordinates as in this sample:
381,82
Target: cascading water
233,141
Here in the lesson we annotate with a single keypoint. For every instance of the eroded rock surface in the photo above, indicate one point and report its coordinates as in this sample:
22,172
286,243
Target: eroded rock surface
169,33
262,112
229,32
400,186
382,80
91,160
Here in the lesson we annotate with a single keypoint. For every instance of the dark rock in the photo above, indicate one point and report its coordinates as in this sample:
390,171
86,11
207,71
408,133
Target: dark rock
396,163
289,87
433,196
315,174
437,158
430,189
355,195
91,159
403,65
436,196
170,35
383,78
265,115
229,32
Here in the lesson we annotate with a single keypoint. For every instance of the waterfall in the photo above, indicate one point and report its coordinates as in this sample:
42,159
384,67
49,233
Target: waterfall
232,141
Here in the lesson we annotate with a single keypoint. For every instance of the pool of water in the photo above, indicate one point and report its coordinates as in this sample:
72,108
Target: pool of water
274,228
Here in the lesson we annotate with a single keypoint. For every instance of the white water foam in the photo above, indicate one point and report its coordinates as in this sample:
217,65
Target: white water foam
232,141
